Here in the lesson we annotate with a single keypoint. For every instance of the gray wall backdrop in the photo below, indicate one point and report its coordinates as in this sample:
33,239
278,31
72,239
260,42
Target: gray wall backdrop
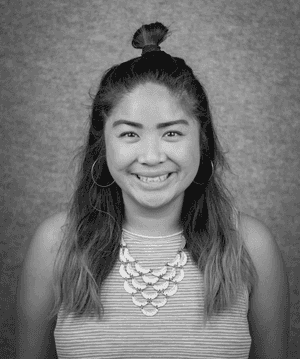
53,52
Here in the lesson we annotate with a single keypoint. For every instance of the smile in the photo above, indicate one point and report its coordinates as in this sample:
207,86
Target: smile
153,179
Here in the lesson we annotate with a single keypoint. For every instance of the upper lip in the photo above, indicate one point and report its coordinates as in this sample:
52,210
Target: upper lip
152,174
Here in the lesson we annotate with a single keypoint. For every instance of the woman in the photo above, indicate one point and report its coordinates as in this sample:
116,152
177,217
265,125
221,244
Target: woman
152,259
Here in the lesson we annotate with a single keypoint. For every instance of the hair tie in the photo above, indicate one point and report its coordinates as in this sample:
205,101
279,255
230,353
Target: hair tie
149,48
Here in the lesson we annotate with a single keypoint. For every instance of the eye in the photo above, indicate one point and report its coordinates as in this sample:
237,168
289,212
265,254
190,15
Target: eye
127,133
177,132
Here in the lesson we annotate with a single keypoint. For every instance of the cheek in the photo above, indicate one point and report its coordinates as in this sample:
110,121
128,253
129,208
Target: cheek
116,157
190,153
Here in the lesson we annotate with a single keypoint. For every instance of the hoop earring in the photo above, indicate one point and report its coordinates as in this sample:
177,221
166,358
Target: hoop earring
97,184
212,172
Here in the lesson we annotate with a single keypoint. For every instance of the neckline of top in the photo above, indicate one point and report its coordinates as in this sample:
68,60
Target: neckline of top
151,237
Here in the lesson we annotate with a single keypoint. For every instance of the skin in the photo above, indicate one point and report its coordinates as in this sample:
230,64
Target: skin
152,209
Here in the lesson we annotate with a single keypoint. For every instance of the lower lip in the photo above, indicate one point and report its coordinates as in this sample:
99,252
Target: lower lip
155,184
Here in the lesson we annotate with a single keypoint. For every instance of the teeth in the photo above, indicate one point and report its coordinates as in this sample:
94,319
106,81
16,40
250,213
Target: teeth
153,179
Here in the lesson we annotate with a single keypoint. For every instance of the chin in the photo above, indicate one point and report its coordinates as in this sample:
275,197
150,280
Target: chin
156,203
153,204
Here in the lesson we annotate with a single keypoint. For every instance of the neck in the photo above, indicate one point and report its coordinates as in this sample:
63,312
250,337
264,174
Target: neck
159,224
152,229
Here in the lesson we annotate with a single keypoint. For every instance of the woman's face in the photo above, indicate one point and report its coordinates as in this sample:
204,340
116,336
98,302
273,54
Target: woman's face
142,144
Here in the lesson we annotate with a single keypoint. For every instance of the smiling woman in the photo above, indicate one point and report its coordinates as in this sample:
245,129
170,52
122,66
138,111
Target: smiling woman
152,259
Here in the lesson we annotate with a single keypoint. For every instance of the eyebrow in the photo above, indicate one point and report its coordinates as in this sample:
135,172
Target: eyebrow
158,126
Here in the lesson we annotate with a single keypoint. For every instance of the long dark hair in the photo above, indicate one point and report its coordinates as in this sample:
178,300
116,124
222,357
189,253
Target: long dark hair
90,247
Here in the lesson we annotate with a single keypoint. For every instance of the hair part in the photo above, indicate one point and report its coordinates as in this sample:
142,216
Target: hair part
90,247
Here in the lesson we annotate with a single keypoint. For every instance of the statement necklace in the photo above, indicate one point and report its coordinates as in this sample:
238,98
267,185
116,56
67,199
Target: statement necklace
150,288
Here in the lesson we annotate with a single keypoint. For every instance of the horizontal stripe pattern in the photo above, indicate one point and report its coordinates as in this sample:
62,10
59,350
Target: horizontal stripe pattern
176,331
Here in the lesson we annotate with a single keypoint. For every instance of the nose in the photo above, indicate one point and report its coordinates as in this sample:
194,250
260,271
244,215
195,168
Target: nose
151,151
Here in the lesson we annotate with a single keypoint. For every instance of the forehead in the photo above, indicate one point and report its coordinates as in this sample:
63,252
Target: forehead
149,100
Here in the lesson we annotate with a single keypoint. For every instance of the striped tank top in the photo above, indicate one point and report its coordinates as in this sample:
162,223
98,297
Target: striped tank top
175,331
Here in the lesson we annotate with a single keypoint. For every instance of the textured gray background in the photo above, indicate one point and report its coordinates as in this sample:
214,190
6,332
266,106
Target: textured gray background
245,52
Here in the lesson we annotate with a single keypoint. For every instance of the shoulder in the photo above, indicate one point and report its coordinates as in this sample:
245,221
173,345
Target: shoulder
262,246
55,222
263,249
53,226
48,236
37,267
269,300
257,237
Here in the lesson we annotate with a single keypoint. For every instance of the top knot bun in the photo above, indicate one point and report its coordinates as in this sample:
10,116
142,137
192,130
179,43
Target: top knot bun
152,34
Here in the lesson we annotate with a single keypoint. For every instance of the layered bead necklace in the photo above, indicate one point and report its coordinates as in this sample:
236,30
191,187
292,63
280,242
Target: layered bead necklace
150,288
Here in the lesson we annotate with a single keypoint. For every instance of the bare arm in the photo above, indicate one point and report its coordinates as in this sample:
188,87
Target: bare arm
34,334
269,302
